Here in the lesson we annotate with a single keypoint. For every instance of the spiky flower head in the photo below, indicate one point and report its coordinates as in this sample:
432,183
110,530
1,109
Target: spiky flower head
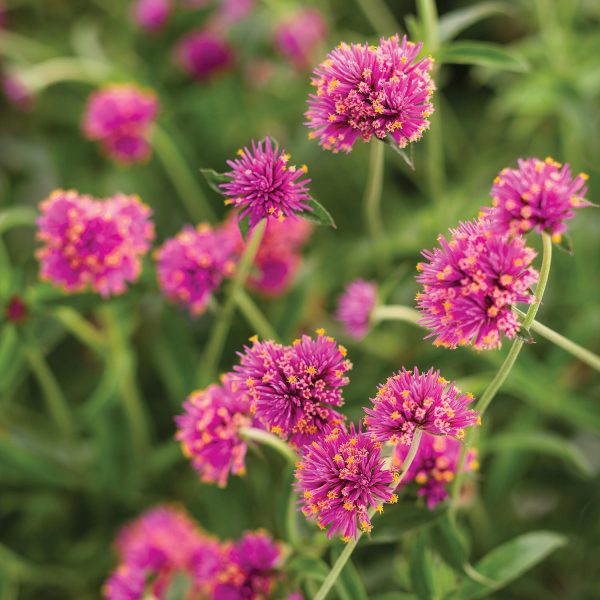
470,285
93,244
434,466
120,117
540,194
355,306
151,15
339,478
209,430
365,91
203,54
264,186
192,265
410,400
294,388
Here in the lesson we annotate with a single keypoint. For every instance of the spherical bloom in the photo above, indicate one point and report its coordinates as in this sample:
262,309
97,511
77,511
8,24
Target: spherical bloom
191,266
434,466
355,306
151,15
93,244
294,388
365,91
16,92
299,35
470,285
262,185
120,118
410,400
209,430
203,53
340,477
538,195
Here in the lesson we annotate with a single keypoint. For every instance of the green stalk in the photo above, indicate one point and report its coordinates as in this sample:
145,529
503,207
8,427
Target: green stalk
427,12
80,328
254,316
395,312
266,438
372,196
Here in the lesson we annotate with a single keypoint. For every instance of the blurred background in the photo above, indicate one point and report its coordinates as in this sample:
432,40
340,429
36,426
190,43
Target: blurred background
515,79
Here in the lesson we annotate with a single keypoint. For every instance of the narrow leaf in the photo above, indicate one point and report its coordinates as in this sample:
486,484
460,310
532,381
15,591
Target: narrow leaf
566,244
406,157
456,21
420,569
450,544
319,214
244,227
482,54
214,179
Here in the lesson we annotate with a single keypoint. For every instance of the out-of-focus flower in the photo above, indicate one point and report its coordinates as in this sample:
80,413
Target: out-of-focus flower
93,244
540,194
299,35
263,185
410,400
230,12
15,92
120,117
192,265
434,466
365,91
16,310
355,306
209,430
151,15
203,53
470,285
295,387
340,477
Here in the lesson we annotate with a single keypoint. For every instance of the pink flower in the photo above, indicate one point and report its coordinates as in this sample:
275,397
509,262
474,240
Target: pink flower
16,311
192,265
410,400
365,91
538,195
470,285
295,387
92,244
151,14
203,53
340,477
15,92
120,118
355,306
230,12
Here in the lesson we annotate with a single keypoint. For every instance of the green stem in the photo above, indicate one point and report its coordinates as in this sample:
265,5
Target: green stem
183,181
216,342
395,312
254,316
57,70
80,328
347,552
427,12
379,16
265,438
372,196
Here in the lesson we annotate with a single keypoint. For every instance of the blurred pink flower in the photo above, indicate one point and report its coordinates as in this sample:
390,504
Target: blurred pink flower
230,12
15,92
151,15
203,53
355,306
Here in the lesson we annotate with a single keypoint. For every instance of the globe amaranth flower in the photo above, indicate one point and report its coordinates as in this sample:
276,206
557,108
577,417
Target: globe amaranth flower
209,430
470,285
294,388
229,12
93,244
434,466
203,54
162,542
299,35
365,91
151,15
15,91
539,195
340,477
120,117
192,265
355,307
263,186
410,400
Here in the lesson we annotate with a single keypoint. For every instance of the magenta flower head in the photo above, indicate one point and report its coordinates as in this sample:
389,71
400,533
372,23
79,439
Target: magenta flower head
93,244
355,306
539,195
340,477
294,388
203,53
151,15
120,117
16,92
410,400
263,185
192,265
470,285
434,466
209,430
299,35
365,91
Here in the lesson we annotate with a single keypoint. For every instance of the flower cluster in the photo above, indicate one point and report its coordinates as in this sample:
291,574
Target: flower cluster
120,118
538,195
93,244
355,307
203,53
410,400
294,388
365,91
470,285
340,478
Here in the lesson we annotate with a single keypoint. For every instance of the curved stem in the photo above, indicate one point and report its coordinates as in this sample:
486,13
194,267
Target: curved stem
254,316
395,312
372,196
265,438
84,331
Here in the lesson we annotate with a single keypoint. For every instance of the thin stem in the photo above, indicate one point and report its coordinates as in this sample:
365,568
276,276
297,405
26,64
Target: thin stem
216,342
372,196
427,12
395,312
80,328
254,316
379,16
183,181
265,438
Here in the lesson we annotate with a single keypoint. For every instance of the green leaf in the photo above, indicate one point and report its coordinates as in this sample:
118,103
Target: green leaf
319,214
351,580
178,589
420,569
450,543
456,21
397,520
18,216
509,561
406,157
308,567
482,54
566,244
214,179
244,227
